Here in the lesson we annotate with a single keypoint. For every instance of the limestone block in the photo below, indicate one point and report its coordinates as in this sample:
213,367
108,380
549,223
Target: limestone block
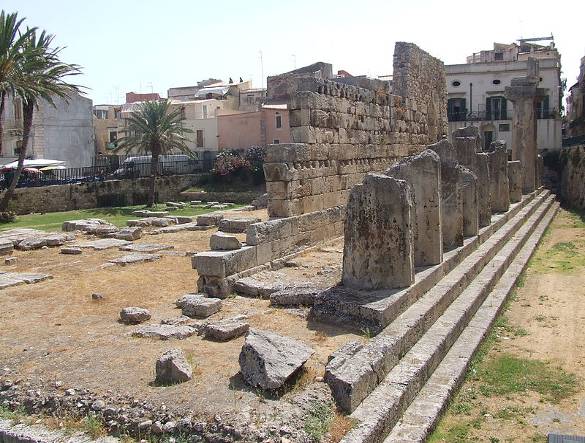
499,184
466,148
422,173
221,241
224,263
236,225
268,231
378,250
481,169
468,182
212,219
515,180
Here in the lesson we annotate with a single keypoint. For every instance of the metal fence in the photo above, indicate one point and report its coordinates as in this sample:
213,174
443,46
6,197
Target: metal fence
106,168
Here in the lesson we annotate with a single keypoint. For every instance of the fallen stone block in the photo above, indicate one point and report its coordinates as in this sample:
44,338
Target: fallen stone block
134,315
181,219
295,296
146,213
86,225
220,241
164,331
145,247
186,298
130,233
135,257
101,244
172,367
255,287
71,251
209,219
200,307
6,247
227,329
267,360
8,279
224,263
10,261
44,240
237,225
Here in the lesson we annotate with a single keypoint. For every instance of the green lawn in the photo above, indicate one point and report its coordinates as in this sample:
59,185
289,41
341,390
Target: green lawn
118,216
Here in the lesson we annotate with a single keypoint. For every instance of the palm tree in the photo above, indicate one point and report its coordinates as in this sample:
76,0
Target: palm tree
39,76
157,129
13,50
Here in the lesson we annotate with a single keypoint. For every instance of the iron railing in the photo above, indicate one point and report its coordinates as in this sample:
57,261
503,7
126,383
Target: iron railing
106,168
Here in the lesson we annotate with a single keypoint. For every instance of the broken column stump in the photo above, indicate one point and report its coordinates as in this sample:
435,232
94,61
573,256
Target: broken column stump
482,171
499,185
468,183
422,173
378,250
515,180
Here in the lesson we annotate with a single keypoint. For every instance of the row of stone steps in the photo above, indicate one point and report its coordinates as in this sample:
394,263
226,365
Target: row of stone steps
475,277
354,377
422,415
374,310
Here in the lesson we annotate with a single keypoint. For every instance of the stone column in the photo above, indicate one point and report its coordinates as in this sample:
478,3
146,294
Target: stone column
468,182
378,252
515,179
539,170
523,93
482,171
499,185
451,200
467,143
423,174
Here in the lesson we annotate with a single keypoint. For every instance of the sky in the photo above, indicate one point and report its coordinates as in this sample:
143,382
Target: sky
151,45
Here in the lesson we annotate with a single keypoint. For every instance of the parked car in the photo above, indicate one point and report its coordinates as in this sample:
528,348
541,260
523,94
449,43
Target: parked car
139,166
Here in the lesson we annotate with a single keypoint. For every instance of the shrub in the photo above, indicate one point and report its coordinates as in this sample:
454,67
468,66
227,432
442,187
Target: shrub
7,217
234,166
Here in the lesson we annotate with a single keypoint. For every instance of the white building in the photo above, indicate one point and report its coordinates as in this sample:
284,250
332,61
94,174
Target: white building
476,92
61,132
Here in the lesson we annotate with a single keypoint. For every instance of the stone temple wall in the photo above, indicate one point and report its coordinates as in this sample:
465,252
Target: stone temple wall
342,131
573,176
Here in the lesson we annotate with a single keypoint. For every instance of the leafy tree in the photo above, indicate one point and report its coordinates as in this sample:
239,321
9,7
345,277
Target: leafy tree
155,129
39,76
13,50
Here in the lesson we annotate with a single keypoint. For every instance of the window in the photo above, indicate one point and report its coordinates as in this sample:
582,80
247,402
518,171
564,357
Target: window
278,121
499,56
200,138
250,99
496,108
17,109
504,127
456,83
456,110
113,136
204,111
101,114
496,82
542,110
117,114
276,141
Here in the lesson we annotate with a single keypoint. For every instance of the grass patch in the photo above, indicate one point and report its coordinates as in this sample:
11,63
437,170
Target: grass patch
561,257
318,420
507,374
93,426
118,216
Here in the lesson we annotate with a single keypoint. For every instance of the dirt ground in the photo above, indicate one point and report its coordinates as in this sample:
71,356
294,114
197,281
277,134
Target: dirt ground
54,331
543,326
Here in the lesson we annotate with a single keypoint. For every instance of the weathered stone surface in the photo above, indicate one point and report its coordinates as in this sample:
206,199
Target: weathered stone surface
236,225
339,357
145,247
185,298
147,213
515,180
179,228
6,247
164,331
212,219
226,329
8,279
499,185
71,251
130,233
214,286
268,360
134,315
256,286
482,170
103,243
135,257
181,219
468,182
200,307
295,296
10,261
451,199
423,173
467,143
378,249
220,241
224,263
39,241
172,367
89,225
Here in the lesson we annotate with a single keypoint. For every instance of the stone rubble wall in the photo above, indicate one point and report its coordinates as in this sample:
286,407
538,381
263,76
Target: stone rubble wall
340,131
573,176
107,193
